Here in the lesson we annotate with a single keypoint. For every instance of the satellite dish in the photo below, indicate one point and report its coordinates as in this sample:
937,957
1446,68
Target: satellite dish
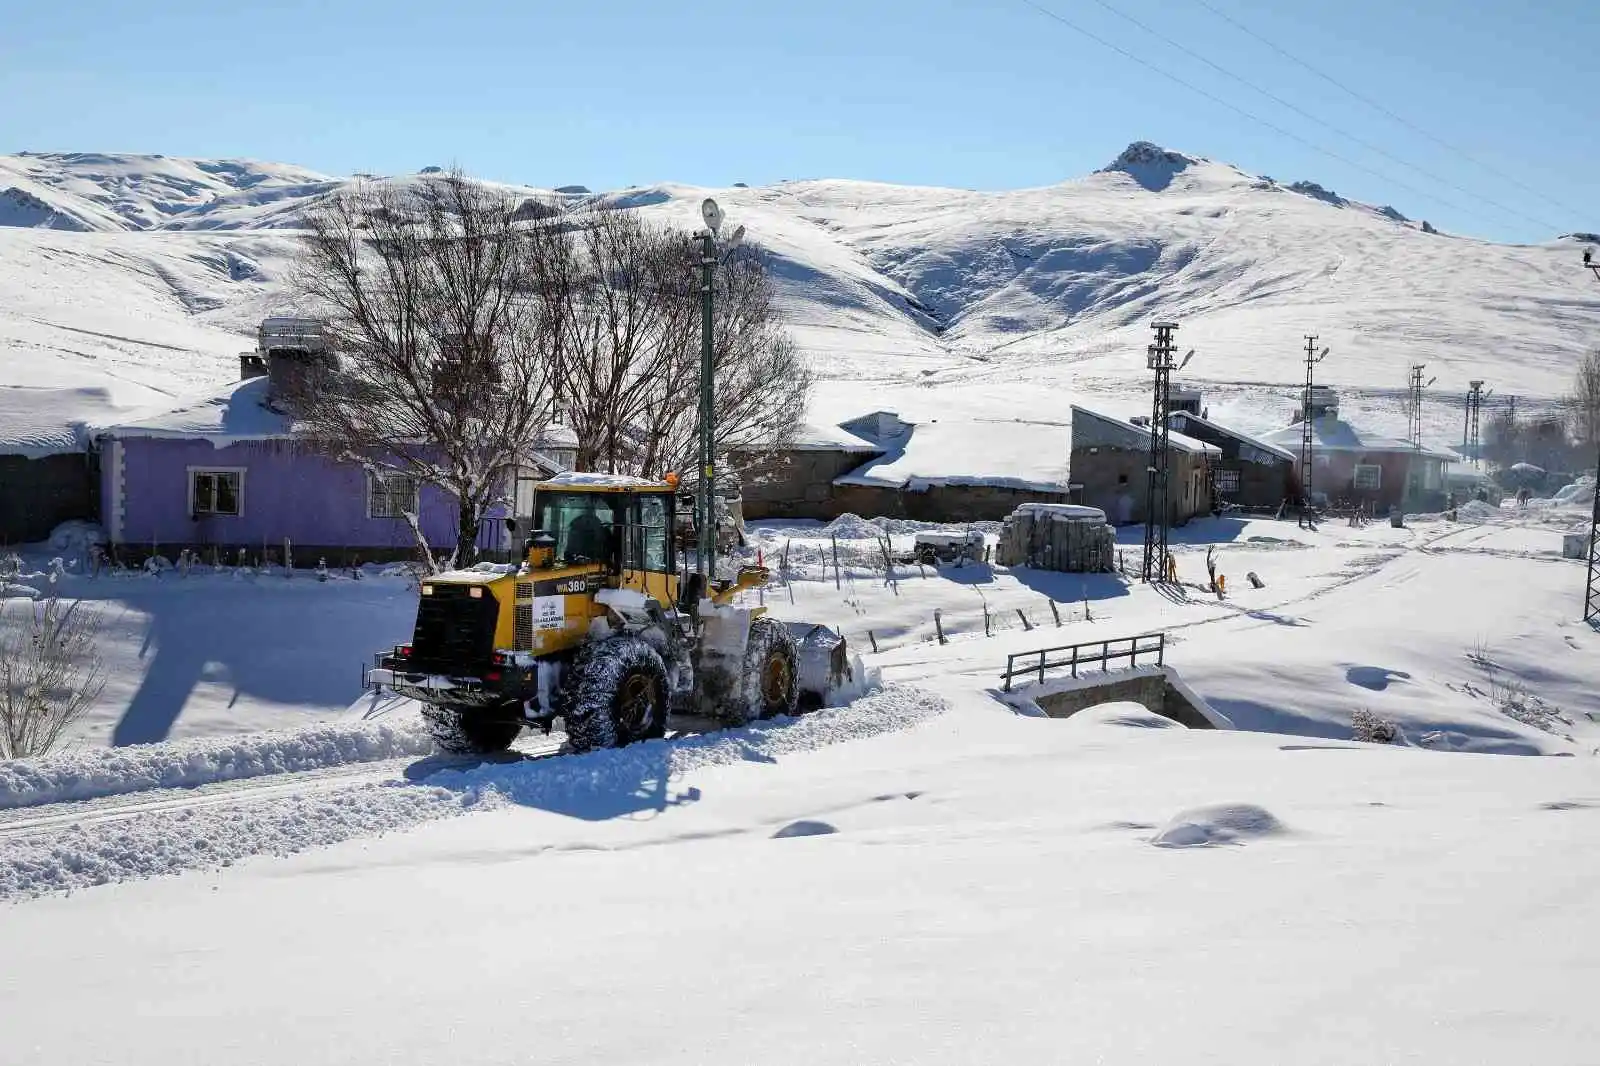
737,239
711,213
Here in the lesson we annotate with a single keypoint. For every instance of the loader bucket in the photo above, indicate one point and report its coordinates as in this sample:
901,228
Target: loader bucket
826,671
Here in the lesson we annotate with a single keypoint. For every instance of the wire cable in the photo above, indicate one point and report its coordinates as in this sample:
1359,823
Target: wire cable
1383,110
1303,113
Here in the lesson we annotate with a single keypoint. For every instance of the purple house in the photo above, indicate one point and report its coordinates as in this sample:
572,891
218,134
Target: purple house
226,470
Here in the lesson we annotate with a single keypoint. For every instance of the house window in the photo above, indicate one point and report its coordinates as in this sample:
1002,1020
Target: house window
215,492
391,495
1227,481
1368,476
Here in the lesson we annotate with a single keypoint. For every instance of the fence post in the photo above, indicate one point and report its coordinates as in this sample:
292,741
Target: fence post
1006,685
874,640
1161,649
938,624
836,582
1056,612
1041,665
1027,626
986,630
1105,655
1074,660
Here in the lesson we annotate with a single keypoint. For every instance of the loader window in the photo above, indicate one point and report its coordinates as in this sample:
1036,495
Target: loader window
584,524
647,545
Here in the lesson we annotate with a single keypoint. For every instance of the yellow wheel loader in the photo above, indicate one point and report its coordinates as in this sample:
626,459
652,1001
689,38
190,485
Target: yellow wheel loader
597,626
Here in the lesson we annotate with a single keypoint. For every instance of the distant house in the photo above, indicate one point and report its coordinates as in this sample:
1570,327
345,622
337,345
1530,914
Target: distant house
1355,467
1250,472
1111,460
937,470
228,470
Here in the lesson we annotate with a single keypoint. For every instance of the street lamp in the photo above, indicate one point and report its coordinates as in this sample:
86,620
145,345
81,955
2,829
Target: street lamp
705,500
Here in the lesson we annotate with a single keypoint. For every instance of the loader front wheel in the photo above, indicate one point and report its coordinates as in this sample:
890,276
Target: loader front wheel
614,694
472,731
771,670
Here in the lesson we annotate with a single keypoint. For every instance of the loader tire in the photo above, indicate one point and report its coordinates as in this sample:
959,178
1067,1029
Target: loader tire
614,694
770,686
472,731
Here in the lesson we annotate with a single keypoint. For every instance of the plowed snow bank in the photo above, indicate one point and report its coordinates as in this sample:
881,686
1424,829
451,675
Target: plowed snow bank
585,786
90,774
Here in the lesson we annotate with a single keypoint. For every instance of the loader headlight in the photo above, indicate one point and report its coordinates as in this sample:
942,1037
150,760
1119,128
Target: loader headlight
427,590
475,593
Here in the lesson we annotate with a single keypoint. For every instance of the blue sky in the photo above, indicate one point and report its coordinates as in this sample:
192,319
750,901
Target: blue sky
963,93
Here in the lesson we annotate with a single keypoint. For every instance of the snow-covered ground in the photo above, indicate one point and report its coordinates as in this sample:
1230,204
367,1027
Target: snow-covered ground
942,878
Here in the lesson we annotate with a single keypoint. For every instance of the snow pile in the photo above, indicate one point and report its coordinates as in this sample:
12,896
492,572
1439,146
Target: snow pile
1231,823
854,527
1124,714
90,774
587,786
1477,510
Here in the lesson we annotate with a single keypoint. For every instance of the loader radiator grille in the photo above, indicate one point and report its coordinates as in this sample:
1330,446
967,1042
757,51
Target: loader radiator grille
455,632
522,620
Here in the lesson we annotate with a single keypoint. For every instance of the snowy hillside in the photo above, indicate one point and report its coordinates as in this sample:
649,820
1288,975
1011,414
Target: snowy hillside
140,275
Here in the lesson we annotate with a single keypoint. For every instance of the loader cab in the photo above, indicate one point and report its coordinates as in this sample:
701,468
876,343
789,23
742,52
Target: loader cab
625,526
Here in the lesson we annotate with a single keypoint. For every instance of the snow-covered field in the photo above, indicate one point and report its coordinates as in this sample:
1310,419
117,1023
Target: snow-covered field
938,877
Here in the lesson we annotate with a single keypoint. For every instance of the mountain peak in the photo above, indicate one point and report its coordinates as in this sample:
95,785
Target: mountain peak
1148,154
1149,164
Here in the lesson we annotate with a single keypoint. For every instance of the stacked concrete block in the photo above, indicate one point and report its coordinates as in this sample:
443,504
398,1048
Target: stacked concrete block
1057,536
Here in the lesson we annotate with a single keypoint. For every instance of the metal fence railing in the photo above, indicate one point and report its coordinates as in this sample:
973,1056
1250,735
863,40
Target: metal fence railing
1089,653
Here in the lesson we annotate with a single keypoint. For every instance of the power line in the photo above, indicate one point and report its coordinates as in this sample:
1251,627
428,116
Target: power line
1303,113
1381,109
1236,109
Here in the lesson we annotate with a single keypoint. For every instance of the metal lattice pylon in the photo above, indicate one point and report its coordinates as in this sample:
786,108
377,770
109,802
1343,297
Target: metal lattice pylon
1158,493
1591,588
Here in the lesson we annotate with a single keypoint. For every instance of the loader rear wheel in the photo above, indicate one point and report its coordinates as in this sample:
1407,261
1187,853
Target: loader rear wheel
473,730
771,683
614,694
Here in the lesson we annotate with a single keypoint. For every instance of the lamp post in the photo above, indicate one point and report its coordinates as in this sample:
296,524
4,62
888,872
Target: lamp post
705,499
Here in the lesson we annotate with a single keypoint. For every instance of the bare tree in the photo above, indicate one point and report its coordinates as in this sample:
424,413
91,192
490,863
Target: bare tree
626,295
1585,400
50,671
446,354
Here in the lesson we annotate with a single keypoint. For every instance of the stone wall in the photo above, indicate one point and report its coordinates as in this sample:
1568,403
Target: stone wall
1116,480
1150,687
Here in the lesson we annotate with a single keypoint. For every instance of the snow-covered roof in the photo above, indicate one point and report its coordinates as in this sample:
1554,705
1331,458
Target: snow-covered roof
1000,453
1255,442
235,412
1330,434
813,437
40,422
610,481
1177,441
558,436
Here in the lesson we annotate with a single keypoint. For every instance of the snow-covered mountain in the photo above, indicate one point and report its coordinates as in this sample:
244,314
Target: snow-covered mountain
132,276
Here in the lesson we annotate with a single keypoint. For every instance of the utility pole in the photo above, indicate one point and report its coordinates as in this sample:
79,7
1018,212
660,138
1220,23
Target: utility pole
1414,407
1307,424
1471,433
1158,493
1591,588
706,498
